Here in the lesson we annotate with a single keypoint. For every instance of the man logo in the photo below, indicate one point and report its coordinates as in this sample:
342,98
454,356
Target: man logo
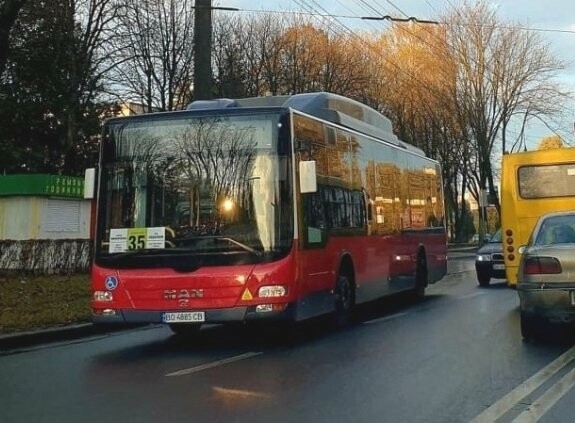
183,294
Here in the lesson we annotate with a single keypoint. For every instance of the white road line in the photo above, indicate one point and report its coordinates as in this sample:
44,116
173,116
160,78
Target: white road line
507,402
213,364
543,404
240,393
383,319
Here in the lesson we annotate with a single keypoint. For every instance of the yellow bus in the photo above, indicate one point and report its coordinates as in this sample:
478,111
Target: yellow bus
532,183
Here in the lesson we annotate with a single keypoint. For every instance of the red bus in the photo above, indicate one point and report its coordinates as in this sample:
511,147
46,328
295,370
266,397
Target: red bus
284,207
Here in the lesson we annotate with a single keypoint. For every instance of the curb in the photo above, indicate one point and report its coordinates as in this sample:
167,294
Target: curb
21,340
462,248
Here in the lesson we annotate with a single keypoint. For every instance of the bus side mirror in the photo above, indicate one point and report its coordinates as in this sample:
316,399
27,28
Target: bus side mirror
307,177
89,183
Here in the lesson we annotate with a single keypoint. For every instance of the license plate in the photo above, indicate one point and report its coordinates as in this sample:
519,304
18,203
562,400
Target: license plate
499,267
184,317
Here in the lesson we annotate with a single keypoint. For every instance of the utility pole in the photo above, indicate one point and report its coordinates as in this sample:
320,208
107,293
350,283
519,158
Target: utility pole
203,50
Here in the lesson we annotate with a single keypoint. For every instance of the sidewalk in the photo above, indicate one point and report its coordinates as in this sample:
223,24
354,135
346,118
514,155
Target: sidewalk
21,340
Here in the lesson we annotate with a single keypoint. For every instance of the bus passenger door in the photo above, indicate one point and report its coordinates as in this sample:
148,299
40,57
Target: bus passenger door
316,264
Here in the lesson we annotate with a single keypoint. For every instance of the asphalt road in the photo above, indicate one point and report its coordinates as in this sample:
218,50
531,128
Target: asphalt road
456,356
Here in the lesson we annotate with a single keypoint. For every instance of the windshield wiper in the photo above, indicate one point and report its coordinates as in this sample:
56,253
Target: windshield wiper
148,252
244,246
220,238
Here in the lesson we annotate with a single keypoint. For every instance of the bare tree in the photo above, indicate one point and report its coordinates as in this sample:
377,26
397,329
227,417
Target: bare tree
90,27
230,51
502,71
302,56
247,54
155,52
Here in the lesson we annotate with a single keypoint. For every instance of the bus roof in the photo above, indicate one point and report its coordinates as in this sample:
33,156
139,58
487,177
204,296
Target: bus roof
561,155
323,105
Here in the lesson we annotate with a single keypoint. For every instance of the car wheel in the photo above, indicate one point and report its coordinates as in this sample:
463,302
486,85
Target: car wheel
185,329
344,301
530,327
483,278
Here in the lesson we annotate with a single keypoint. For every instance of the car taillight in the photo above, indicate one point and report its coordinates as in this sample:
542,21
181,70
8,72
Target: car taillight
541,265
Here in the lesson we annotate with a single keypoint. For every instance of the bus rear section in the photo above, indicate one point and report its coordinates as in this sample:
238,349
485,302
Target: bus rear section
257,211
533,183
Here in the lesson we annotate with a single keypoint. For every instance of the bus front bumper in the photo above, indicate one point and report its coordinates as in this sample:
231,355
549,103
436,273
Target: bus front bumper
236,314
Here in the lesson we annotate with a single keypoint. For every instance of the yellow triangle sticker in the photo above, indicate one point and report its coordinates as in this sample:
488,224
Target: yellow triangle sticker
247,295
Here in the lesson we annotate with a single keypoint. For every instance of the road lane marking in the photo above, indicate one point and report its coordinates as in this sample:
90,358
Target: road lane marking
383,319
239,393
544,403
507,402
213,364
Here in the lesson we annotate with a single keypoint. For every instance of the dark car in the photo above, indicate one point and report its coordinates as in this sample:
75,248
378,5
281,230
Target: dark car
489,260
546,278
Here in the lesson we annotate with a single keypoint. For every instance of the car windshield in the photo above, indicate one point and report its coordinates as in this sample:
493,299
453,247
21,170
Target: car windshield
194,185
496,238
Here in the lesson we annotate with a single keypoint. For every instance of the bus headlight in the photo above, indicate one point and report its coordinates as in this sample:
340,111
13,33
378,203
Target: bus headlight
103,296
272,291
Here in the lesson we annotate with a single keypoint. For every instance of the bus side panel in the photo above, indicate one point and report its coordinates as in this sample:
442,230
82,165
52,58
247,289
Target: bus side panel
383,265
318,269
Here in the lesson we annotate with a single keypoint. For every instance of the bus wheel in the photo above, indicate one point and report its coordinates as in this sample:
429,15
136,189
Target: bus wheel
421,276
185,329
344,300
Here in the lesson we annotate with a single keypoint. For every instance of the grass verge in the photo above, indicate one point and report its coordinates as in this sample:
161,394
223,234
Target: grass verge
38,302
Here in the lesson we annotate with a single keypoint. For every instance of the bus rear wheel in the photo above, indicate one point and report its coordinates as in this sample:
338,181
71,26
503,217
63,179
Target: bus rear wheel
344,300
421,275
185,329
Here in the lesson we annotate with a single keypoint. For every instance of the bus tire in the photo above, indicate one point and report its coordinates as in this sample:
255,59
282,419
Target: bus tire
421,275
185,329
344,300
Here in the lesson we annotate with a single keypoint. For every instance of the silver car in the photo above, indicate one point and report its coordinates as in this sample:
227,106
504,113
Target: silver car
546,278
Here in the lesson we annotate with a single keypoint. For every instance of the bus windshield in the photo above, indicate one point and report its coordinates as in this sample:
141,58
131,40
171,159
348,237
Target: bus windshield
185,184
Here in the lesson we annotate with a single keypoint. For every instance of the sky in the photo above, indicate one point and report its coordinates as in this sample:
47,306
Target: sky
553,19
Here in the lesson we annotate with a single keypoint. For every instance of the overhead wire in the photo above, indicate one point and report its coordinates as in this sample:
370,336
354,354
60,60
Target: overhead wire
432,46
399,68
338,28
472,59
326,15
